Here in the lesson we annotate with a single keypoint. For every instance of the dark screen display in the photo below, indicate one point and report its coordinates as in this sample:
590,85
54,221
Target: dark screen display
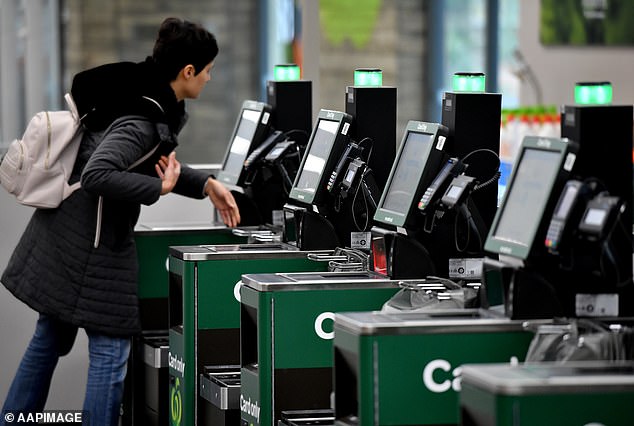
241,142
527,196
317,156
411,163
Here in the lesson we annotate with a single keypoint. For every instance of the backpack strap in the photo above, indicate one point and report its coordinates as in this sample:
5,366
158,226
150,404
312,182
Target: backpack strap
72,107
145,157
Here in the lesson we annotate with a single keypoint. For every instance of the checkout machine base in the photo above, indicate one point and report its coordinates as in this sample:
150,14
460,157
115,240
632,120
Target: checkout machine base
220,396
145,395
547,394
309,229
527,294
145,400
307,417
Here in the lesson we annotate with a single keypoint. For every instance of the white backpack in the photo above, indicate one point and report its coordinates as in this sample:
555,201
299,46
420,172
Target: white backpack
37,167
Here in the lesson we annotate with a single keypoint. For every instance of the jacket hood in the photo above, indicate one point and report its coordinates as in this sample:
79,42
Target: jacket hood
110,91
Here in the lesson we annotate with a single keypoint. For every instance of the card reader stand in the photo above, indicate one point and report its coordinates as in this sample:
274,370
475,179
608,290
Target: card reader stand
311,230
355,206
316,232
404,256
531,296
541,288
468,230
520,290
250,214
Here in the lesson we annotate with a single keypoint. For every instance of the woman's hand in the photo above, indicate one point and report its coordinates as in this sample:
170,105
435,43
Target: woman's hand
168,169
223,201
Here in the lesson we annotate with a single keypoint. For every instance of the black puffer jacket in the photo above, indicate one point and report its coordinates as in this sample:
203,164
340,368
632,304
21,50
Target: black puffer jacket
61,265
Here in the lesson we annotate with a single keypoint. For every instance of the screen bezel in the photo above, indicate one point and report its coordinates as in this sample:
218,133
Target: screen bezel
563,147
435,158
261,129
341,138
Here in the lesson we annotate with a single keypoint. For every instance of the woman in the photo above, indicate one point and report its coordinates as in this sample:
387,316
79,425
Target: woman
76,265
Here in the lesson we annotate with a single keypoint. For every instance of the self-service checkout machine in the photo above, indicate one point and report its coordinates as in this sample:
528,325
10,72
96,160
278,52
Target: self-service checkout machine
147,370
409,225
568,252
286,339
204,288
336,209
321,210
577,256
402,366
269,171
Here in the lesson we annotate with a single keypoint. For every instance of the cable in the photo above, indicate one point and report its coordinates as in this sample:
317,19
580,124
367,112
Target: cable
426,228
365,202
477,151
471,227
455,226
497,173
301,132
287,183
607,252
337,204
368,139
493,179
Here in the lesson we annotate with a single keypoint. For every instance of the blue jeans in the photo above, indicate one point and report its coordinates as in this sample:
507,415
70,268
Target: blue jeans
106,372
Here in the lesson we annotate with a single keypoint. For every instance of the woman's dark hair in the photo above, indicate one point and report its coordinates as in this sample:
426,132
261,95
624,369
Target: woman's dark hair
181,43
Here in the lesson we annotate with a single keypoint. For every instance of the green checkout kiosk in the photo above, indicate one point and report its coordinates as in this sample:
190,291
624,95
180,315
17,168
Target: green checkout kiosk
565,246
147,370
204,329
404,369
286,337
574,394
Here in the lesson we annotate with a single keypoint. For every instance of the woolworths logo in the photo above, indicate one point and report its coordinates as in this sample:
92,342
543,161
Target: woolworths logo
176,404
177,364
